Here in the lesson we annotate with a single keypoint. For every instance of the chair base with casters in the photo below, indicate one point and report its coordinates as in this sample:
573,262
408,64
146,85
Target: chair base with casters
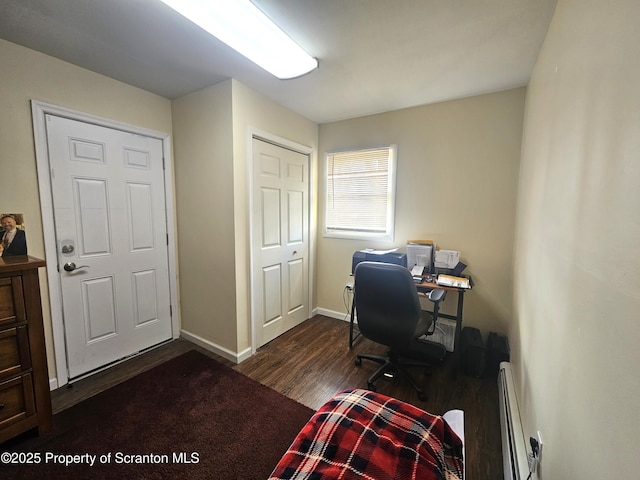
396,363
389,313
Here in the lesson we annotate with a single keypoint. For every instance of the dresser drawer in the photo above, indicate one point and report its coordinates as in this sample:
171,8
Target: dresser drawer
25,399
15,358
11,301
16,400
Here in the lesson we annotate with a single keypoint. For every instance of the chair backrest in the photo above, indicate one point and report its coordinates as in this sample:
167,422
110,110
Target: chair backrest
387,304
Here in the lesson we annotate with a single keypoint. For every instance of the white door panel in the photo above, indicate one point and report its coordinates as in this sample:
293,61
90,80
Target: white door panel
296,216
99,307
109,206
272,294
271,229
280,247
92,216
296,285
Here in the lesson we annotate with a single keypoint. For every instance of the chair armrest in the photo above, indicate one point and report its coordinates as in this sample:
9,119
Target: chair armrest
437,295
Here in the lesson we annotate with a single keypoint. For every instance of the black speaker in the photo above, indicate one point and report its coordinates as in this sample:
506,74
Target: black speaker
472,352
497,351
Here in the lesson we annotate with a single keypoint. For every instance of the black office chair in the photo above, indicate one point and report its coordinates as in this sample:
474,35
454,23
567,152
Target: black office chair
388,312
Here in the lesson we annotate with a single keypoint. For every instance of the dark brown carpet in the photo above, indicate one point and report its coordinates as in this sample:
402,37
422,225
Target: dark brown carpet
191,408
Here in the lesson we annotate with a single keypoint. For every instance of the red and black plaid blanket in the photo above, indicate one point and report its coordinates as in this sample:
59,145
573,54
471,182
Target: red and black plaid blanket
361,434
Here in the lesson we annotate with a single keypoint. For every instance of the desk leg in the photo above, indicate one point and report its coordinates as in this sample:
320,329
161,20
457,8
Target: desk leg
456,343
351,320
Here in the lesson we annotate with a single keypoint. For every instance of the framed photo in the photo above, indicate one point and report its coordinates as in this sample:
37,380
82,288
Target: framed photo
13,238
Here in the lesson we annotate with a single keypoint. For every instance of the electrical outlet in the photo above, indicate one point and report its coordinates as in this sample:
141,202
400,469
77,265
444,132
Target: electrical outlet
540,443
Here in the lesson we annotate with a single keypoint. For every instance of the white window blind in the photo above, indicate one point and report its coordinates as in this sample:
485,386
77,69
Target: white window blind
361,193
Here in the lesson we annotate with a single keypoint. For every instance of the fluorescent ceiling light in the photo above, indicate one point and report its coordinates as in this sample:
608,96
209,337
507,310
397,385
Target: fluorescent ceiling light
242,26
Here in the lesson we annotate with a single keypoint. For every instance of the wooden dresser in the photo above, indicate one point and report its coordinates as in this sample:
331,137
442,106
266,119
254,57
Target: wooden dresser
25,399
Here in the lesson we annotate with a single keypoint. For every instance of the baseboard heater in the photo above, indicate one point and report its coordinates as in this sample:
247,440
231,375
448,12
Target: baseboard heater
514,447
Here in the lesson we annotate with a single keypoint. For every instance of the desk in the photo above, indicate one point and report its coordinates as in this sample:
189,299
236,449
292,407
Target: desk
423,289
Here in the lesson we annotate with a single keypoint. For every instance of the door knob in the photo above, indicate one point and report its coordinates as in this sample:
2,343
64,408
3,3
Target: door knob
70,267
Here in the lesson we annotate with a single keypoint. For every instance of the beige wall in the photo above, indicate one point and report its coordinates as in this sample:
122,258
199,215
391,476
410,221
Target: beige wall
27,75
203,146
577,268
212,133
457,179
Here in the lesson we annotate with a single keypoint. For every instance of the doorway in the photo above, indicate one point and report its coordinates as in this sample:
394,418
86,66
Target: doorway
280,245
106,206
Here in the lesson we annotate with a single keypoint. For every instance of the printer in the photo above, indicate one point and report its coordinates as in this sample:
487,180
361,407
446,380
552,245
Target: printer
370,255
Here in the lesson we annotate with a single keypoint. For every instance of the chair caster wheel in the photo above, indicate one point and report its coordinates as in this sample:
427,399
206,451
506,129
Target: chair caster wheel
358,362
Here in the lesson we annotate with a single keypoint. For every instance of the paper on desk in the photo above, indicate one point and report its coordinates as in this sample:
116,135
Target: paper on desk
379,252
417,270
446,258
419,254
451,281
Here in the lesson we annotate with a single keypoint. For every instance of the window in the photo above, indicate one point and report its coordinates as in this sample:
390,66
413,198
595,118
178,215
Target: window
360,193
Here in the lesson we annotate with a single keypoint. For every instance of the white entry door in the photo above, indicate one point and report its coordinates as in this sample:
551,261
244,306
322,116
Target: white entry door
280,221
111,235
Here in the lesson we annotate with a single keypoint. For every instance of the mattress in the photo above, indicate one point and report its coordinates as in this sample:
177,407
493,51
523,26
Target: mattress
360,434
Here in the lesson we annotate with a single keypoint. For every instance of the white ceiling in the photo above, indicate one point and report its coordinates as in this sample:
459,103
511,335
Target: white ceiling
375,55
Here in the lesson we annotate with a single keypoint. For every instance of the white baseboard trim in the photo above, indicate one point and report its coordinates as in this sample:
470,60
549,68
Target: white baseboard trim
333,314
224,352
217,349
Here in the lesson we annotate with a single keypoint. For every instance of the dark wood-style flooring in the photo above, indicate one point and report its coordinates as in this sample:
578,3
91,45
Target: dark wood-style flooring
312,362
